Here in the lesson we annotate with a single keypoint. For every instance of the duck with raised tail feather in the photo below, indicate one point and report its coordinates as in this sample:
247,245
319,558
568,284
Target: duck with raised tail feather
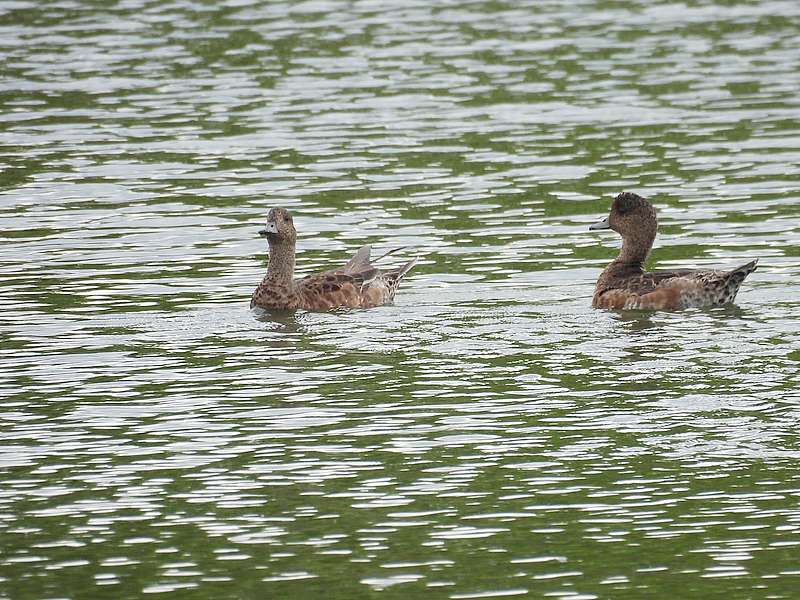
356,284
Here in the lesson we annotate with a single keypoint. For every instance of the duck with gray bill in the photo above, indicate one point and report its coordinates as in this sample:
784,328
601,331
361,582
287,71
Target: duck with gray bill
357,284
624,284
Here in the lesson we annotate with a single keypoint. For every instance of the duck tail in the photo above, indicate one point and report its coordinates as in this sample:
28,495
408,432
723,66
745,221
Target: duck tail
393,277
401,272
733,279
739,273
389,253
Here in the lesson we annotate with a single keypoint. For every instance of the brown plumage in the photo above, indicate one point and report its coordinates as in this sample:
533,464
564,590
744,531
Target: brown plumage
355,285
625,285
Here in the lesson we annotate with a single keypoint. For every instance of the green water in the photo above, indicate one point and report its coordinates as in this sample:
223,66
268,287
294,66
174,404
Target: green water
487,436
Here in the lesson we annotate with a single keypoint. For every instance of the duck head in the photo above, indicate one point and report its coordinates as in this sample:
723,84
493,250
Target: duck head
280,228
631,216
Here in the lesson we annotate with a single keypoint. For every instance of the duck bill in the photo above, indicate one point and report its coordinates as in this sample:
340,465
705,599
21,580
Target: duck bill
270,228
601,225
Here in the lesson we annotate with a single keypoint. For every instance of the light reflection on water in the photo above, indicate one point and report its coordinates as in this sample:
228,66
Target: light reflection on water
489,435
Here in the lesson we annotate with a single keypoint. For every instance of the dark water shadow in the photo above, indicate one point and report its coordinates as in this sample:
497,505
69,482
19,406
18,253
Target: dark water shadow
635,320
643,320
731,310
284,322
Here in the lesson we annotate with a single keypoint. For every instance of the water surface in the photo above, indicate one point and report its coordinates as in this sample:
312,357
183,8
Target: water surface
489,435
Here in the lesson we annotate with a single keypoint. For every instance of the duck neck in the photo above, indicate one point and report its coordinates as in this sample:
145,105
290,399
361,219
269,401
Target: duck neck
634,253
281,262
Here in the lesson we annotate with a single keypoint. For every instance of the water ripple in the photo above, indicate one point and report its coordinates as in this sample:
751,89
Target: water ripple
487,436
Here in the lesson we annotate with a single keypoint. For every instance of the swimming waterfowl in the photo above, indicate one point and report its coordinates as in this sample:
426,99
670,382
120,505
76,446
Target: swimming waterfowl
625,285
357,284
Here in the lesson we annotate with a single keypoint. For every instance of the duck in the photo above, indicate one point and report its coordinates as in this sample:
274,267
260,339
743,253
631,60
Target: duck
624,284
357,284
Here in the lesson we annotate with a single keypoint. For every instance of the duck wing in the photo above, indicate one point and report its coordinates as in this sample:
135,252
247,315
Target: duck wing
332,289
662,274
705,277
645,283
357,284
359,261
677,289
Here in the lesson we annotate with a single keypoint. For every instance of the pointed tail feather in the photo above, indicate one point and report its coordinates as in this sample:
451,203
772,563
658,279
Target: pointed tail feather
395,276
390,252
360,260
733,279
748,268
739,273
401,272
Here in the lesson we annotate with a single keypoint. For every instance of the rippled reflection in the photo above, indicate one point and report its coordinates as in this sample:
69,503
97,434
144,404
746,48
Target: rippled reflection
489,435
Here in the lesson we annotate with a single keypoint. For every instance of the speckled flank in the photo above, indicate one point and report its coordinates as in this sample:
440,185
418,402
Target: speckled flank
357,284
625,285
